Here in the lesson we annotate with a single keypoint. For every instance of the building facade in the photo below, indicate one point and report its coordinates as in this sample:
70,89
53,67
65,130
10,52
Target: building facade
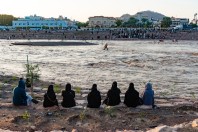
38,22
102,22
179,21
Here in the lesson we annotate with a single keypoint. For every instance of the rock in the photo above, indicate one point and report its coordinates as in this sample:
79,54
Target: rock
63,129
74,130
195,123
86,125
84,95
163,128
78,123
32,128
81,101
7,84
37,89
123,121
5,130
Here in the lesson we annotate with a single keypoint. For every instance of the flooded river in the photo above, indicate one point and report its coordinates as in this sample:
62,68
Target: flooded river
171,67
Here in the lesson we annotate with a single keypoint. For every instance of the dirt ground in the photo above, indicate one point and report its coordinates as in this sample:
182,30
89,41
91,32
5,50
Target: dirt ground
37,118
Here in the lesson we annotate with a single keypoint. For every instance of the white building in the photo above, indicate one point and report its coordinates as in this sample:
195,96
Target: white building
101,21
38,22
179,22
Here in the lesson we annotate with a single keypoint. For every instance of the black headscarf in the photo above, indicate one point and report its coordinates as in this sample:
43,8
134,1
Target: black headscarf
131,87
68,87
68,97
94,87
94,97
114,85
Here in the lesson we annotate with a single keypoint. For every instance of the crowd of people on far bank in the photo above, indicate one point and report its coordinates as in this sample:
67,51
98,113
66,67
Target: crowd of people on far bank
131,99
102,34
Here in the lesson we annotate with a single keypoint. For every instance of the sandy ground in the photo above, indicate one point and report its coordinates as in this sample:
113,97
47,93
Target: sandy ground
171,112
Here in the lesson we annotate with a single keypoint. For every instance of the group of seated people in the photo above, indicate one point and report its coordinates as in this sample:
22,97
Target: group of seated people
131,99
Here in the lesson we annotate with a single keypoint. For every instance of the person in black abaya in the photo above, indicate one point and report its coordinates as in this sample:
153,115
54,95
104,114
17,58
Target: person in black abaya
132,98
113,95
68,97
50,97
94,98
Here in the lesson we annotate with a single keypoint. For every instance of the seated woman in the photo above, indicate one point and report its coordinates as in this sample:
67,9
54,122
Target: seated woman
50,97
68,97
20,97
132,98
148,95
94,98
113,95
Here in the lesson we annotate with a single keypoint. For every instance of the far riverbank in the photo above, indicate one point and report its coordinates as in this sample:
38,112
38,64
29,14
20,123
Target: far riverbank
115,34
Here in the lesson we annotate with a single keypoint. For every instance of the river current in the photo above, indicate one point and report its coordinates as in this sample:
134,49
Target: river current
171,67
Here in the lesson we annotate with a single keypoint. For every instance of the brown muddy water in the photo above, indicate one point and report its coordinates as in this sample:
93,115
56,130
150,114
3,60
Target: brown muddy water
171,67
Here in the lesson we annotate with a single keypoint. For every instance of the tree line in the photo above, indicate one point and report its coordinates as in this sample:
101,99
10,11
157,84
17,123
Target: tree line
135,23
6,20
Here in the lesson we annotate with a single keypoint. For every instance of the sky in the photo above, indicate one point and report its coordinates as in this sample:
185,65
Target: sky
81,10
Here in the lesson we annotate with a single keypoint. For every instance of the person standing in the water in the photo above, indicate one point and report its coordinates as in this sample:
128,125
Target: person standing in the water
105,47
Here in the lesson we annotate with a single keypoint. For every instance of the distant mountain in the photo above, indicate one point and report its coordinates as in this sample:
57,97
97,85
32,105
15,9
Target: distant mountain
125,17
143,14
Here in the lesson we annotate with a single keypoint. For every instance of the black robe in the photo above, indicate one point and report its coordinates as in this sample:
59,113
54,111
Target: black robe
49,101
50,97
132,98
113,97
68,99
94,99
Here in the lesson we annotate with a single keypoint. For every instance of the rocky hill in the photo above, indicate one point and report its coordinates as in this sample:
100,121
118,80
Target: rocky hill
144,14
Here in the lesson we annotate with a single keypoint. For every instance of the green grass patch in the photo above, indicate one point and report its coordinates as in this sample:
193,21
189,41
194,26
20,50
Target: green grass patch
57,88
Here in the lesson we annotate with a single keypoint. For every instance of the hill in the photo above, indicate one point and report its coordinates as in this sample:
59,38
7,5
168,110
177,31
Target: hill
144,14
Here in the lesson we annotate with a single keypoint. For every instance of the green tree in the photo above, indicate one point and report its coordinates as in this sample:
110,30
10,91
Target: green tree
193,25
132,22
145,23
82,24
32,73
118,23
166,22
6,20
144,20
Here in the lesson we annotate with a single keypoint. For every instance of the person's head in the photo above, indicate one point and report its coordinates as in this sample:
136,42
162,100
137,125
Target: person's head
50,89
27,79
148,86
68,87
21,83
114,85
27,82
131,86
94,87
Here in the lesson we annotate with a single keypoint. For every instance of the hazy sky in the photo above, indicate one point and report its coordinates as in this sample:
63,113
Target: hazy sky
81,10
